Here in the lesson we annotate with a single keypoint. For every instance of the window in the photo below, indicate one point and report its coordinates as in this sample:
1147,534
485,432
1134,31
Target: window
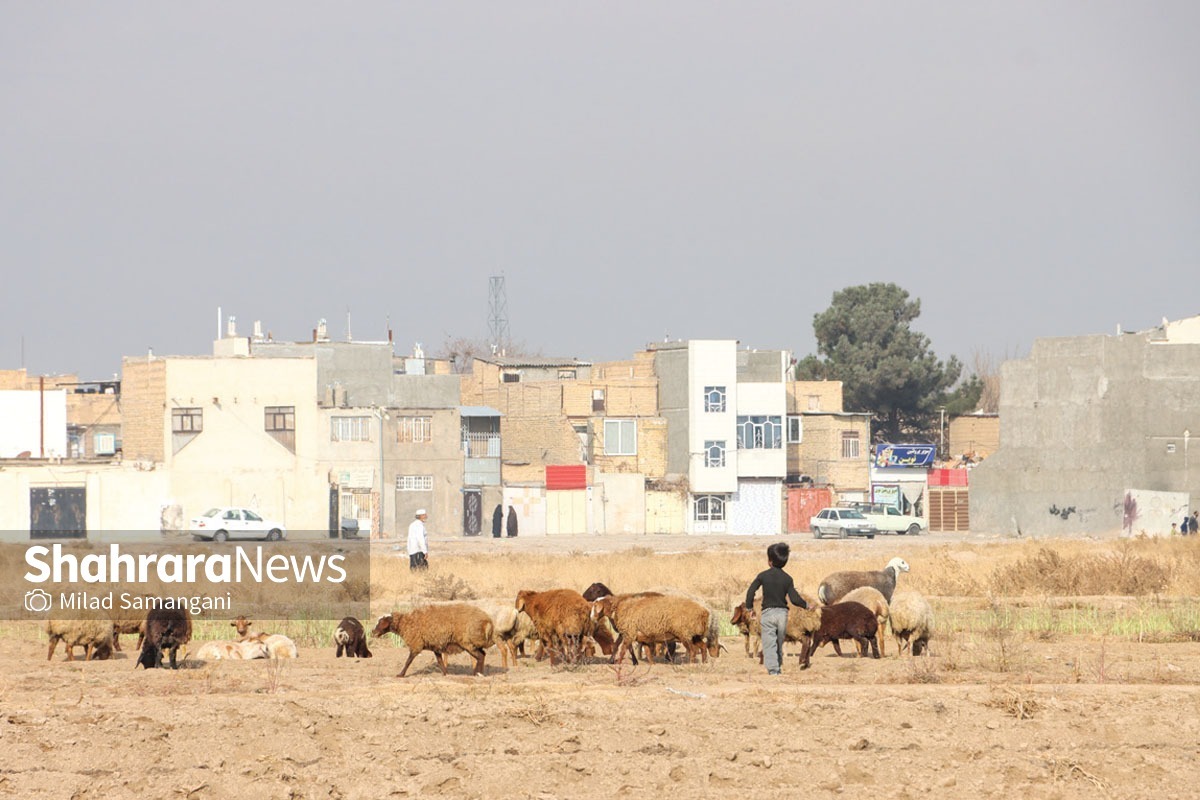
280,423
350,429
709,508
414,483
414,429
511,377
250,516
597,399
714,453
281,419
566,374
795,430
760,433
104,444
849,444
187,420
714,398
620,437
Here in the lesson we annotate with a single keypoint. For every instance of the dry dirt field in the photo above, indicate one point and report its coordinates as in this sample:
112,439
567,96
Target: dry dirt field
1065,694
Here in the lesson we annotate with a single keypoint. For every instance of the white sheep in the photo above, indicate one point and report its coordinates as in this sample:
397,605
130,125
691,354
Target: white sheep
912,621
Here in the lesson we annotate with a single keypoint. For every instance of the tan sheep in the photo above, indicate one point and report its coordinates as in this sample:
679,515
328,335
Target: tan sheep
512,629
441,629
874,600
658,619
912,622
231,651
562,618
801,624
94,635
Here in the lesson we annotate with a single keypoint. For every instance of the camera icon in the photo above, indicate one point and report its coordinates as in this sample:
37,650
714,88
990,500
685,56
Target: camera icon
38,601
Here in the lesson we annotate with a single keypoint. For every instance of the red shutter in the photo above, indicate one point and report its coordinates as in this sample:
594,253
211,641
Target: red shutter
572,476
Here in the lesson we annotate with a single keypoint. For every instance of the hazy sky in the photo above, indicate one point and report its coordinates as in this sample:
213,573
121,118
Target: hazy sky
634,170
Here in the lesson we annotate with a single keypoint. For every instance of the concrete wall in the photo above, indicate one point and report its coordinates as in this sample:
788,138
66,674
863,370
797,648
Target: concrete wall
671,369
33,422
1083,420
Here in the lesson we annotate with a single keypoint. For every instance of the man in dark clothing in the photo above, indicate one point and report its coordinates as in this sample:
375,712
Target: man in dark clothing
778,588
498,521
512,521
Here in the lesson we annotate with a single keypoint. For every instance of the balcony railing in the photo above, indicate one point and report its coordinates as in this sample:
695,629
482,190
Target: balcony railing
481,445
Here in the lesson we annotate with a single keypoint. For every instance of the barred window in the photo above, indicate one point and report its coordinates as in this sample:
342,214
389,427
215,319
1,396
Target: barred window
414,429
714,398
714,453
760,433
350,429
850,444
414,483
709,508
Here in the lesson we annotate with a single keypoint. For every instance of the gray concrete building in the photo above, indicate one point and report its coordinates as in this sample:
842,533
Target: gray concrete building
1084,420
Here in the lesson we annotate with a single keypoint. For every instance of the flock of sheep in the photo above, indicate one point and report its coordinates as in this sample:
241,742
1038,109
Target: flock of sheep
566,624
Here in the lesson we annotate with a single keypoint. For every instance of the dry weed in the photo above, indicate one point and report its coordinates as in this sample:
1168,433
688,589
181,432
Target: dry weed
1012,702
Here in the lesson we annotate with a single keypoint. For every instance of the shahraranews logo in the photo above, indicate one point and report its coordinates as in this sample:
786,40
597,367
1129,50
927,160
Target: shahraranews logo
117,567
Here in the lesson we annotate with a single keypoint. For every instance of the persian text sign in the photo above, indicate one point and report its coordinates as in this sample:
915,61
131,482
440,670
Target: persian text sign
904,455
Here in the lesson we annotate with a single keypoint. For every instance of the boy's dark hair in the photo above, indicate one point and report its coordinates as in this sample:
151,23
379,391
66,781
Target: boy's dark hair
777,554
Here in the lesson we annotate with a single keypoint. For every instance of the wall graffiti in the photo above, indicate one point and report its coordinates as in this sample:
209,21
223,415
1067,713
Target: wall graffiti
1062,513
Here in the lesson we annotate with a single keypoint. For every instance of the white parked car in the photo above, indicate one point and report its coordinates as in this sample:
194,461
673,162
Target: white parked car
841,522
220,524
888,519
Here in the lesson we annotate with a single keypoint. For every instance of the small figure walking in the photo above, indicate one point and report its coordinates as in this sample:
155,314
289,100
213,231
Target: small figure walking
418,545
498,521
512,521
778,588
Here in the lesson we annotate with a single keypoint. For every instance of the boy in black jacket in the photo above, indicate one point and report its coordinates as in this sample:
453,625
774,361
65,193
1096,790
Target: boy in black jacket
778,588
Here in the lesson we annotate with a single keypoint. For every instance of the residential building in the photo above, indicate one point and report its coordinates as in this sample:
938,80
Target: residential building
725,410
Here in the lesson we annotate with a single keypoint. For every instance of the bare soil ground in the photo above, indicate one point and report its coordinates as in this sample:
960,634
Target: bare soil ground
990,714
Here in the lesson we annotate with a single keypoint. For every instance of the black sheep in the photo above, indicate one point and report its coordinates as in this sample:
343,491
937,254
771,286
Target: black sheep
351,639
844,621
166,629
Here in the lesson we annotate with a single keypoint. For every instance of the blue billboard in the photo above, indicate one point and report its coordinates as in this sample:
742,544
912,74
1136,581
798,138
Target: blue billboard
904,455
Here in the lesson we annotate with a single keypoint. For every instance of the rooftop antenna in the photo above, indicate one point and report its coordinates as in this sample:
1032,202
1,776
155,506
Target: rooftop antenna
497,312
349,335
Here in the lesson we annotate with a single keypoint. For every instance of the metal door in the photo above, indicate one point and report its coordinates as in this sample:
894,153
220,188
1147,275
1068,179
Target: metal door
58,512
472,512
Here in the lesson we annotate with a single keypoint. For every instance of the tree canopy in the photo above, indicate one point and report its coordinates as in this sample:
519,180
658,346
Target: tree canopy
886,368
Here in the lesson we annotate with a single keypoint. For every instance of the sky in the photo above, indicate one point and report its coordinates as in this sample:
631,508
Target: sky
633,170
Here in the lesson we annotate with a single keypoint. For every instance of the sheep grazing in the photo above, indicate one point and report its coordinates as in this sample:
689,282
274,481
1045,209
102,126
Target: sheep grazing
442,629
95,636
512,629
562,618
658,619
351,639
840,584
166,629
912,622
741,619
232,651
870,597
121,626
844,621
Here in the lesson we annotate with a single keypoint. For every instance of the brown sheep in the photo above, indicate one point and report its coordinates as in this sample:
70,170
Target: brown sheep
870,597
844,621
741,619
95,636
562,618
441,629
658,619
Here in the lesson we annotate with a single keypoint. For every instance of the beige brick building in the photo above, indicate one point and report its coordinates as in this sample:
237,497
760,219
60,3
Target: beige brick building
827,446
